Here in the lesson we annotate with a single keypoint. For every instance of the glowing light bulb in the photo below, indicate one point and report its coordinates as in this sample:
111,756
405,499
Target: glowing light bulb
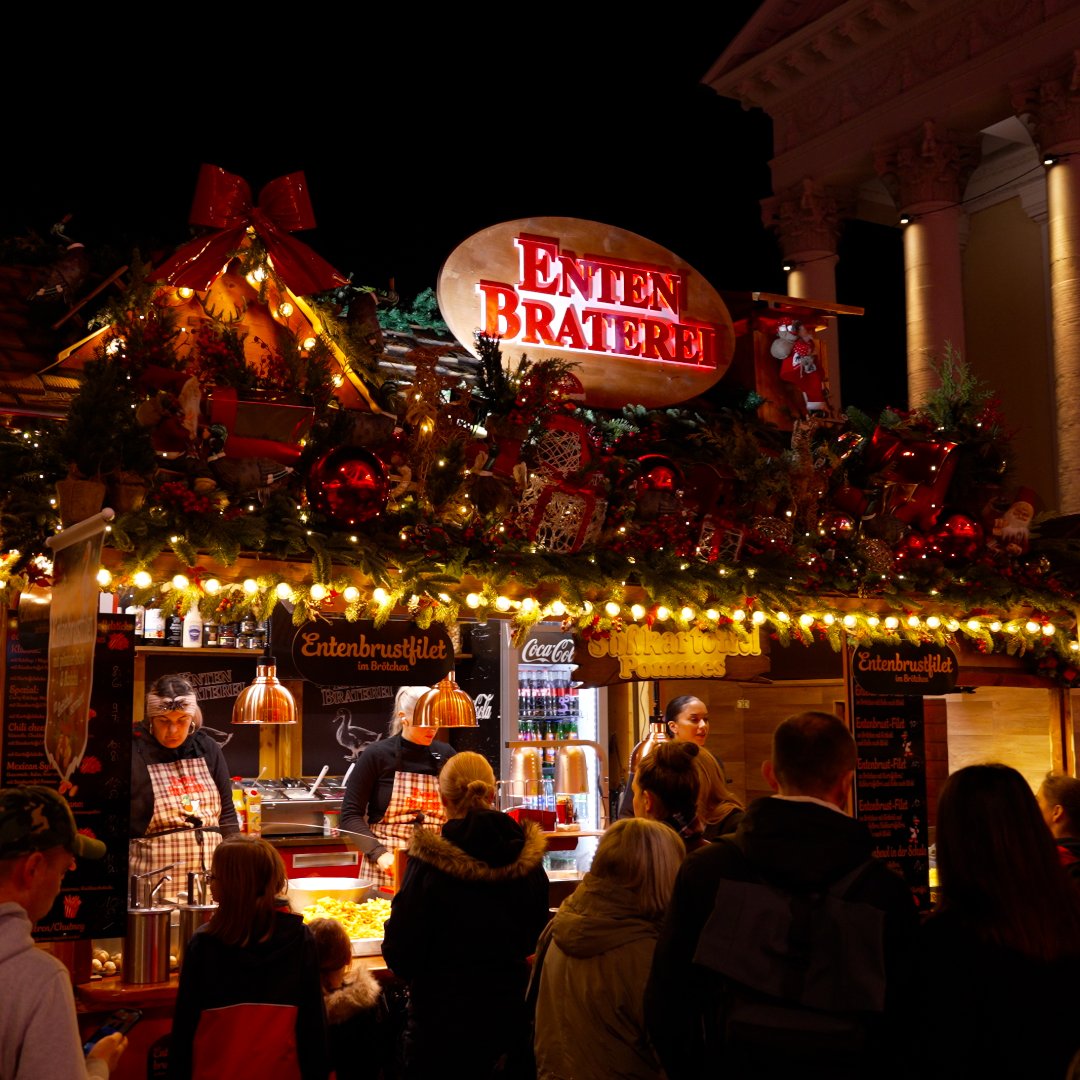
806,620
713,614
974,624
256,276
612,608
873,621
995,626
662,613
558,608
180,582
351,593
251,586
783,616
891,623
143,580
952,625
849,621
637,611
211,585
588,607
933,622
1031,627
502,603
738,615
308,343
1075,646
185,293
283,590
317,591
1011,628
472,600
759,617
828,619
1049,630
380,596
103,576
913,622
528,604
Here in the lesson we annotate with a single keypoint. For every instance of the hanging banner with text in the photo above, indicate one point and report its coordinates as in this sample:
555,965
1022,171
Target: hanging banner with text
72,632
638,653
890,783
93,900
341,653
903,668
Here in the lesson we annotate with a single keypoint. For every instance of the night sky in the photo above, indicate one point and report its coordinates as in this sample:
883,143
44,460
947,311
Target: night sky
413,136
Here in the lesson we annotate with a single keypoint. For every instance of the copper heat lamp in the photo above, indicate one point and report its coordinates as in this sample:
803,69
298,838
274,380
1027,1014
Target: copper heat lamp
265,701
445,705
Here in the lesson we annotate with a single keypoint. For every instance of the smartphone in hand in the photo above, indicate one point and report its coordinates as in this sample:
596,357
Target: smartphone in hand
121,1022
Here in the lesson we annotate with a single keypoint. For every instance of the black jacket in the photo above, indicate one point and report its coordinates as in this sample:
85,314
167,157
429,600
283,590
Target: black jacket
368,792
791,845
471,907
146,751
251,1010
983,1012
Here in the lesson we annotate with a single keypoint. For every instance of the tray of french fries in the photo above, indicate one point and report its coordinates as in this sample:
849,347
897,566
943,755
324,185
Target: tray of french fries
363,922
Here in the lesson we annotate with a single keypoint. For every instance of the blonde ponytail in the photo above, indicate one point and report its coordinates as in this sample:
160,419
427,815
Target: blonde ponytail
467,783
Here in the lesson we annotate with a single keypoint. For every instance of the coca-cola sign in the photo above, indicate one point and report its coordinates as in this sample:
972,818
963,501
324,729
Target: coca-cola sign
546,649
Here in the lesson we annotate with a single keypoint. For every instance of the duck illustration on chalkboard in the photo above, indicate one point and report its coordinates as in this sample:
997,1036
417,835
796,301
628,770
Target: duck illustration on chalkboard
351,736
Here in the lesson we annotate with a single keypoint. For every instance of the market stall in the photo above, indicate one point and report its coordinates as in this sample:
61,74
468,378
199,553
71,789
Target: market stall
616,481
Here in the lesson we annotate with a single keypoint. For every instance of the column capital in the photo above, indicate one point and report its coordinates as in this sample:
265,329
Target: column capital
1049,100
928,165
808,216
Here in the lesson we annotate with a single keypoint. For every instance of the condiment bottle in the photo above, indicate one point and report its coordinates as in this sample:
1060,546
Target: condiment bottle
193,628
254,812
210,633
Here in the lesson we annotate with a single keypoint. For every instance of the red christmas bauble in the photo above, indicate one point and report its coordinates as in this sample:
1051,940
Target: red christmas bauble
658,473
837,524
348,486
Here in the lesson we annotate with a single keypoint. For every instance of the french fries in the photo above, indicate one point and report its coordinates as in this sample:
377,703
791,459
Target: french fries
360,920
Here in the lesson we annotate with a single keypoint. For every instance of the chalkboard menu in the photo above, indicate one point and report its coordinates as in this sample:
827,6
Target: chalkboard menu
479,675
890,784
340,721
217,681
93,899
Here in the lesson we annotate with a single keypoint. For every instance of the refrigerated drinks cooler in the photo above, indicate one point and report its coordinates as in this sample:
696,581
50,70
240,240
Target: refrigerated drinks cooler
544,703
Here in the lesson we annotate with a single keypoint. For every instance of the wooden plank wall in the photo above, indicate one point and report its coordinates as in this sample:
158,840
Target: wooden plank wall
1013,725
742,737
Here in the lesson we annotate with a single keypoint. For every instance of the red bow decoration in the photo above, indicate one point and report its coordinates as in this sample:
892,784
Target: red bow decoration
223,201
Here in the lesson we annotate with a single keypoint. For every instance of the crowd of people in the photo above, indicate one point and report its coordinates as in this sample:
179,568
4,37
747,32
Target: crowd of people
779,947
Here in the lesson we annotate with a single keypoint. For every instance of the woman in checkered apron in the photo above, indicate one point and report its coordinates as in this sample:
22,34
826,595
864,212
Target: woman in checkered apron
181,793
395,788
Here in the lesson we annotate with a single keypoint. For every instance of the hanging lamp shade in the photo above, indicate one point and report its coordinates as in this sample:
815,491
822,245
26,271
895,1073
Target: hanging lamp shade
445,705
658,733
571,771
265,701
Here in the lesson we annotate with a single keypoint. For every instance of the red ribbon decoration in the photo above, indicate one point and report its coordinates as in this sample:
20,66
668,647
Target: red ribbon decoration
223,202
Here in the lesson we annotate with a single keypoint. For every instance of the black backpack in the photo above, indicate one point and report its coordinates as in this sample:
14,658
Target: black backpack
803,973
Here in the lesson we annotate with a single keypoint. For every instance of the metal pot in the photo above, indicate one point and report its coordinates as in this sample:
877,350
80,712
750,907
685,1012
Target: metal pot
191,917
146,945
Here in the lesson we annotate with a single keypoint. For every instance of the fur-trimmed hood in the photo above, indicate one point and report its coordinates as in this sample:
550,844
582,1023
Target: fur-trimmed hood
359,993
485,845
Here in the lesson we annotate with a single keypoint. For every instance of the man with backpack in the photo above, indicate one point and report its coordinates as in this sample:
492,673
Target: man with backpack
785,946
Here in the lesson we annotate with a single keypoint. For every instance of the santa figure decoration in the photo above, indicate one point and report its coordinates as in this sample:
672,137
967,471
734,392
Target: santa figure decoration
1011,531
796,349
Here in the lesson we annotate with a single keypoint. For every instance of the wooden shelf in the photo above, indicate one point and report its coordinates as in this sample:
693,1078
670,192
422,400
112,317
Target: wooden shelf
174,650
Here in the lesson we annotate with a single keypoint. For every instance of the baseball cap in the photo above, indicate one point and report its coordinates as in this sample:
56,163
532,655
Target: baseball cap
37,819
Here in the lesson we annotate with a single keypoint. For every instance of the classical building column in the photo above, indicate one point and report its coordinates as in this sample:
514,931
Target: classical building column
1049,100
926,172
807,219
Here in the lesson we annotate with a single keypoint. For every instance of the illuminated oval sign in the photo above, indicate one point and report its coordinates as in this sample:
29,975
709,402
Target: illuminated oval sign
643,325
